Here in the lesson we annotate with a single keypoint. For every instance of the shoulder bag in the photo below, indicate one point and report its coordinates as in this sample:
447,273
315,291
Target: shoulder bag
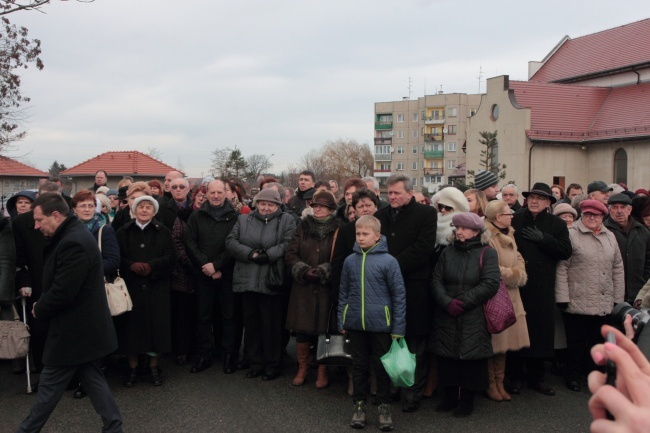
119,300
499,311
14,336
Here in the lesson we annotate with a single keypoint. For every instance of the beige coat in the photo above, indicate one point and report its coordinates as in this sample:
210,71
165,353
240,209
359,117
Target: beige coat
513,274
592,280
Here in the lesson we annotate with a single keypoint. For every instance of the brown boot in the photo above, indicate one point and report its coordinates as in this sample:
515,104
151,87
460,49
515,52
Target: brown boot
322,380
302,353
492,392
499,374
432,379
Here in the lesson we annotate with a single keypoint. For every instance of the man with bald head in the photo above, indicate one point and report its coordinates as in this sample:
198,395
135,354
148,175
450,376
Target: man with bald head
167,185
179,206
205,240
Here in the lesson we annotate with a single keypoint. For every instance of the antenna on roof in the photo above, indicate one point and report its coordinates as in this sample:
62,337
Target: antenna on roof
480,75
410,83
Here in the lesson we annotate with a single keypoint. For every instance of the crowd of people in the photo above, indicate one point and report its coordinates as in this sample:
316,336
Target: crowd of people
213,274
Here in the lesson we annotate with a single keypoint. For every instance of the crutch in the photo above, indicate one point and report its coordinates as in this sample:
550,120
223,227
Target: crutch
29,377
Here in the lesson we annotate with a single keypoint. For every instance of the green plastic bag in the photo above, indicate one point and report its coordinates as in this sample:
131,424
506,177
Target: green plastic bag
399,363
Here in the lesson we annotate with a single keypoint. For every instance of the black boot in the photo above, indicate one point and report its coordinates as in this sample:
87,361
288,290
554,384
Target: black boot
154,376
80,392
132,377
466,406
450,401
229,363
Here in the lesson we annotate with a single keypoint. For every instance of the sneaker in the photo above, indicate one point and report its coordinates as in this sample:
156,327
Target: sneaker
359,415
385,419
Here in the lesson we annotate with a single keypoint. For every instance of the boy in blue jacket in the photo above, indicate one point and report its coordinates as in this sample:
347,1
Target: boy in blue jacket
372,309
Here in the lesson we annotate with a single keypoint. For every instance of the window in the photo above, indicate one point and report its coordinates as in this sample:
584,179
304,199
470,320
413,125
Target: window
414,166
438,147
432,179
437,179
452,129
452,112
400,149
400,134
400,118
451,146
451,164
400,166
472,112
414,117
414,133
414,150
415,181
620,166
382,149
384,166
386,134
435,114
385,118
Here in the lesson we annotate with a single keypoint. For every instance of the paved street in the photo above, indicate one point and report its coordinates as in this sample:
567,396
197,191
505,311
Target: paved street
214,402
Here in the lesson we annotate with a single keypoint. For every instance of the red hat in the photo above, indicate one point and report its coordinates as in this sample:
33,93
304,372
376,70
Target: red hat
593,206
641,191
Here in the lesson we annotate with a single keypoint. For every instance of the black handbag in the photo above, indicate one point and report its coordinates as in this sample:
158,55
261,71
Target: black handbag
333,349
277,278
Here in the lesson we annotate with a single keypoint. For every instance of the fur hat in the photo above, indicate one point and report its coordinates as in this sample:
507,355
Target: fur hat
468,220
454,198
324,198
269,194
565,208
593,206
485,179
137,201
102,190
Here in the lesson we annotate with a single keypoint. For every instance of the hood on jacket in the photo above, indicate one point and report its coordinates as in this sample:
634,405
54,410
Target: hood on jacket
379,247
11,203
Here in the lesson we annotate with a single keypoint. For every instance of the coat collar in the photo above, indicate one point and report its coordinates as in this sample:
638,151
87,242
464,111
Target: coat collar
506,241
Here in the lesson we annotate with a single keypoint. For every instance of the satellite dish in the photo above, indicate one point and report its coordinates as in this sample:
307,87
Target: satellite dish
391,133
444,130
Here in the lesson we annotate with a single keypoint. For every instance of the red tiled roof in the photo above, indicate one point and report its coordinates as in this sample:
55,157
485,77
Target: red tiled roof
602,52
569,113
120,163
11,167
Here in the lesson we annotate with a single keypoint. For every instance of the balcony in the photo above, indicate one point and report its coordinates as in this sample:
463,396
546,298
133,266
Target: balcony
381,173
382,126
384,140
434,154
434,120
433,137
383,157
437,171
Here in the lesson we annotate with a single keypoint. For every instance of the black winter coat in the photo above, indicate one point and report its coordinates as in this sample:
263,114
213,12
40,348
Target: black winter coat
538,295
205,239
458,276
411,240
7,260
149,323
29,253
635,250
74,300
344,246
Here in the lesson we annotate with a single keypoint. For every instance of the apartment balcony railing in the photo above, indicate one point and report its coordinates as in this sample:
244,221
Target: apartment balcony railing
434,120
433,137
383,157
381,126
384,140
439,171
434,154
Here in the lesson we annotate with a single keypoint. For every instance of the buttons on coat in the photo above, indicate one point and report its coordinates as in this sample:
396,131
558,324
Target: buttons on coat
141,245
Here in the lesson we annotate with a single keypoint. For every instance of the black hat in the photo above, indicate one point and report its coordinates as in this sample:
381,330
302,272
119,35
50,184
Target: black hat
598,185
620,198
542,189
121,193
309,194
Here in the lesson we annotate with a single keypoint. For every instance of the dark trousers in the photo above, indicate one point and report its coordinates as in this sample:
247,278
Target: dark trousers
183,317
367,348
582,332
53,383
37,331
263,324
417,345
208,293
516,363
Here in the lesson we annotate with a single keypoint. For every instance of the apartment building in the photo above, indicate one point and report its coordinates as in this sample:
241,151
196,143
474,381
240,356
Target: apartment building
423,138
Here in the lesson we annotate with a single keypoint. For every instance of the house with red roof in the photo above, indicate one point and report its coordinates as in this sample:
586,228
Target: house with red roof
139,166
16,176
583,114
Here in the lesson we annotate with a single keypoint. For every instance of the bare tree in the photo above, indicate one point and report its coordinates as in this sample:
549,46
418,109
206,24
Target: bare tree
219,160
155,153
257,164
346,159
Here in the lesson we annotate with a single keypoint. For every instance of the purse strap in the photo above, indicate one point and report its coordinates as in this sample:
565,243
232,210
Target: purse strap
99,238
480,258
336,234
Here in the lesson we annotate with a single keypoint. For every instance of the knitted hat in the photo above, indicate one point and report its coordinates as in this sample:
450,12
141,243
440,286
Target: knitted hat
620,199
102,190
137,201
269,194
565,208
485,179
105,201
324,198
454,198
468,220
593,206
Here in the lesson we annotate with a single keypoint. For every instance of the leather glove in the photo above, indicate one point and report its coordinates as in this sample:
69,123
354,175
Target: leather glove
262,258
532,234
455,308
137,268
562,305
146,269
311,275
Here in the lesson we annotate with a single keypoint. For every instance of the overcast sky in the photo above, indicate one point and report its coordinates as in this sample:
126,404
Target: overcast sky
272,77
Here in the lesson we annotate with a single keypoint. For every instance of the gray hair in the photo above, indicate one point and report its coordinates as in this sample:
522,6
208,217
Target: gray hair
511,185
276,185
394,178
375,182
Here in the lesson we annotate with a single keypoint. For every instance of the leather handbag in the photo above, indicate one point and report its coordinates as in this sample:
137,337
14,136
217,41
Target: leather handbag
333,349
14,337
499,310
277,278
119,300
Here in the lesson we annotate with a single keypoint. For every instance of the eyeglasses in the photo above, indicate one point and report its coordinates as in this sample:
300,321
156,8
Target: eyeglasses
201,196
509,214
442,207
178,186
592,215
124,201
86,206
